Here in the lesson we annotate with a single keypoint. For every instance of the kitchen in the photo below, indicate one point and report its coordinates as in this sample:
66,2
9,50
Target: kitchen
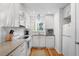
40,29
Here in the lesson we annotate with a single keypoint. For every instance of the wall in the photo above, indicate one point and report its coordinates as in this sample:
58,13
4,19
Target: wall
74,29
57,30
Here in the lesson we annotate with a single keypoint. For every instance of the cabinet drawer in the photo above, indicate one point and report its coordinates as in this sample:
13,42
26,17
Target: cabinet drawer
49,37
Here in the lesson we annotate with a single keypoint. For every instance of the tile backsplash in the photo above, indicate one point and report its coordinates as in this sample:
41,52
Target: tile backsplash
18,32
4,32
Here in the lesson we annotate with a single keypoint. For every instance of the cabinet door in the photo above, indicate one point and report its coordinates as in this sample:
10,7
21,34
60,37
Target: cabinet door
77,29
67,11
35,41
49,20
50,42
77,49
77,21
42,41
17,23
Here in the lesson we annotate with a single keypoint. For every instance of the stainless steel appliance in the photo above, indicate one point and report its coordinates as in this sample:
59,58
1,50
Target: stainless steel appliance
49,32
26,34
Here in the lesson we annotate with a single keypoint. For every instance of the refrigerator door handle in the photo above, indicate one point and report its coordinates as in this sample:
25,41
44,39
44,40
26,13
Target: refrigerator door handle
76,42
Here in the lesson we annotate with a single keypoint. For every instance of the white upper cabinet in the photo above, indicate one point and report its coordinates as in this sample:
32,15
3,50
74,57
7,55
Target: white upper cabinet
16,15
49,21
67,11
4,13
10,16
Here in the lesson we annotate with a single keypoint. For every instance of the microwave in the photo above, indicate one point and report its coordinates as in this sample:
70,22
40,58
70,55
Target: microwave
49,32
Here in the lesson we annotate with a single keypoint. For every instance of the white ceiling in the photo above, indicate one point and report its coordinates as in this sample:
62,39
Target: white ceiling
4,6
44,7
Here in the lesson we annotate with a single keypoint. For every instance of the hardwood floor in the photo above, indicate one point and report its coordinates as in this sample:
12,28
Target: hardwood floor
44,52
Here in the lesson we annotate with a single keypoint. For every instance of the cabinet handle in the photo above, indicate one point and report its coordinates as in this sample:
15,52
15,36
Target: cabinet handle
76,42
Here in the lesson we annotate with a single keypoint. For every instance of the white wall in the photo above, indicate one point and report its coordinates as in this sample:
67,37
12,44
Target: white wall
57,30
73,28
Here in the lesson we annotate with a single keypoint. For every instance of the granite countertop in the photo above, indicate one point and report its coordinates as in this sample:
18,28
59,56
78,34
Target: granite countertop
8,46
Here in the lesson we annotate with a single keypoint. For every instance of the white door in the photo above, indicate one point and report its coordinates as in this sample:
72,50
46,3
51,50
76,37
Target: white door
50,42
77,29
42,41
66,45
35,41
77,49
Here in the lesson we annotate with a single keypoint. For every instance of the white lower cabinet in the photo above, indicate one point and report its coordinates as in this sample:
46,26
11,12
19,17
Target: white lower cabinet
43,41
50,42
35,41
38,41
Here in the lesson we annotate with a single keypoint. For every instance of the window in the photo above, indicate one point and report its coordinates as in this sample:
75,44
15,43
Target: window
39,23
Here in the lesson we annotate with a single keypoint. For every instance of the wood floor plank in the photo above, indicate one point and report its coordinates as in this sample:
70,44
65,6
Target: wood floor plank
44,52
